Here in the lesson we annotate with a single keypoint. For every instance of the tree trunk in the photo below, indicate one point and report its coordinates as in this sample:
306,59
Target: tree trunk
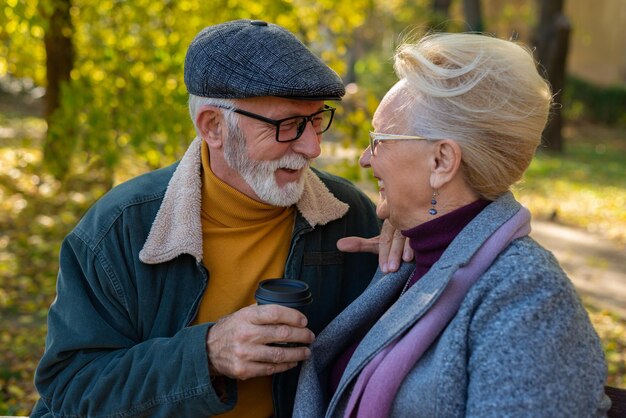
59,64
441,13
441,6
473,15
59,53
552,44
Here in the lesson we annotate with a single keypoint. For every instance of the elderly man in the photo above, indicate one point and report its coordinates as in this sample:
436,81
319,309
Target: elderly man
155,312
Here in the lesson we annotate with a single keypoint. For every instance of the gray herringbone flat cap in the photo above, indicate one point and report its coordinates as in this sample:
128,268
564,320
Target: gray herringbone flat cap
244,58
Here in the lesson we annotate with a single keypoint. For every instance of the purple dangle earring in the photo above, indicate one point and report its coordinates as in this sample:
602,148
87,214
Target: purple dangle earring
433,202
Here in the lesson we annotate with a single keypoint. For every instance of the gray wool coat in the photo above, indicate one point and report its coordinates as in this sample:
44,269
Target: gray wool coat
520,345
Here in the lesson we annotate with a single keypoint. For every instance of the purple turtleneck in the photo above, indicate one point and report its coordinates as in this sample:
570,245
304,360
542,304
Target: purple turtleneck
428,241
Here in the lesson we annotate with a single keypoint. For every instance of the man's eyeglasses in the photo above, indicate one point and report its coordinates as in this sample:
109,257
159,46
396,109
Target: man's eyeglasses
376,137
291,128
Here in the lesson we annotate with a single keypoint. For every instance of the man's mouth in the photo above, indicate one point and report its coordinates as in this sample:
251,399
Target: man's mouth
288,175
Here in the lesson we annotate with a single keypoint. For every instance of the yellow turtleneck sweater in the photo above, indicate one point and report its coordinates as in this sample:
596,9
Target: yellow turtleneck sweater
244,242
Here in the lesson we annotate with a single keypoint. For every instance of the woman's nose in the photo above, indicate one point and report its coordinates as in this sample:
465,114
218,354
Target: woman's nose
366,156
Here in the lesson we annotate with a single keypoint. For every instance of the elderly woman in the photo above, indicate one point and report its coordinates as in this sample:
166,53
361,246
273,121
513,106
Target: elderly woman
485,323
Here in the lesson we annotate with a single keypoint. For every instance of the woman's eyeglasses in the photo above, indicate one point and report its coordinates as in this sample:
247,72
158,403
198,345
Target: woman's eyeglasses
376,137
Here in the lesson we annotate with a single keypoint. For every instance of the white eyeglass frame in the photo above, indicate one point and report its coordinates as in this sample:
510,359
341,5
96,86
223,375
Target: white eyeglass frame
376,137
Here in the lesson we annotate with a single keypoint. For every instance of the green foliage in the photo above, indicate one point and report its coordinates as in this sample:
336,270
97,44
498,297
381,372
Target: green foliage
612,331
22,51
605,105
126,90
585,186
36,212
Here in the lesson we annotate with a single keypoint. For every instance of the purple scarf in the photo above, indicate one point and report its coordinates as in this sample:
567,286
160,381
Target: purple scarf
379,381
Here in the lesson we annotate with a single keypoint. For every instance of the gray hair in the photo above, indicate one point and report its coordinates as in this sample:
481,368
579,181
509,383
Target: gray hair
197,104
482,92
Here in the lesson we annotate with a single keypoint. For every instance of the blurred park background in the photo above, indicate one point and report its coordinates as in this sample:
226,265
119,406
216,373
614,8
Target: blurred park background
92,93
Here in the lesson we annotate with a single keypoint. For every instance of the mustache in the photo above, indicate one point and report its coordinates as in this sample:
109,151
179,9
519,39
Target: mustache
291,162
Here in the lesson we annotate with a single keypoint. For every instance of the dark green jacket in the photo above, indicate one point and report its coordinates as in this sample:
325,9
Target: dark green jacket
131,279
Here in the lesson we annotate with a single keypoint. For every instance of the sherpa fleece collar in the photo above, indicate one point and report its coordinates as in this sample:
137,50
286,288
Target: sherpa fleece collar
177,228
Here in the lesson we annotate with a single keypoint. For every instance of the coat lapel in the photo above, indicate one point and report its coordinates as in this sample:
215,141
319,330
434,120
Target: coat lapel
394,322
367,308
177,228
311,400
414,303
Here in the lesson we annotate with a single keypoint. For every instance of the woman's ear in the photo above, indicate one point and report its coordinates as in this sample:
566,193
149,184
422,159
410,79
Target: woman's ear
445,164
212,126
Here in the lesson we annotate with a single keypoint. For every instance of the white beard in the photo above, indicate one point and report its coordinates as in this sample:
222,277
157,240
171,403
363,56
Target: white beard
260,175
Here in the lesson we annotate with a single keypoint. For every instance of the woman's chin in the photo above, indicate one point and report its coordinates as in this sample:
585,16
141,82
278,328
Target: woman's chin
382,211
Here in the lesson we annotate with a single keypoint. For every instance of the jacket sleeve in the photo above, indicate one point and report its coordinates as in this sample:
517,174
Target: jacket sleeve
532,350
95,365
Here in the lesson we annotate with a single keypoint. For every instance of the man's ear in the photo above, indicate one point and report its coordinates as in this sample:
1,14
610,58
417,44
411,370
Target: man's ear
446,163
212,126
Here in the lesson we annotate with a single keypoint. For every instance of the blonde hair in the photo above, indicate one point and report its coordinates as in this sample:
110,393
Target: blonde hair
482,92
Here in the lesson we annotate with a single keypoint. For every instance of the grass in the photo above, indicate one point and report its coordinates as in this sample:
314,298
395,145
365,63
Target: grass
586,188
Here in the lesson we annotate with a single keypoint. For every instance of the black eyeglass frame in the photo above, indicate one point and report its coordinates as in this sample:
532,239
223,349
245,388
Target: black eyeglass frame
277,122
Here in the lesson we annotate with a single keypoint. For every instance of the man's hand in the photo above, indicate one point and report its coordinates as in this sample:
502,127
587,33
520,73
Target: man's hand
391,246
237,344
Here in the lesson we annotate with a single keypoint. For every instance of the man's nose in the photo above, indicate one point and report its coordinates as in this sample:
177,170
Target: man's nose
308,144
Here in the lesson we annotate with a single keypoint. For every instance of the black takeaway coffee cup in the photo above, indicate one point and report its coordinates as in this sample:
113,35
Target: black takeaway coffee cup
286,292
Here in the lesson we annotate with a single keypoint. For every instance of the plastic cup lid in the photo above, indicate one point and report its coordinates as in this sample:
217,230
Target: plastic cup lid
283,291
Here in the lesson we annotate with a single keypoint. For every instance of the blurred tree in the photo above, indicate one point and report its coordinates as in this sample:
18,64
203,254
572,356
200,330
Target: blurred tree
473,15
59,50
440,16
126,94
59,63
368,61
126,90
551,40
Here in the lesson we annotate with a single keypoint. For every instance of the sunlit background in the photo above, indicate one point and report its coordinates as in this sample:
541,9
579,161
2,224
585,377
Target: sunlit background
106,101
